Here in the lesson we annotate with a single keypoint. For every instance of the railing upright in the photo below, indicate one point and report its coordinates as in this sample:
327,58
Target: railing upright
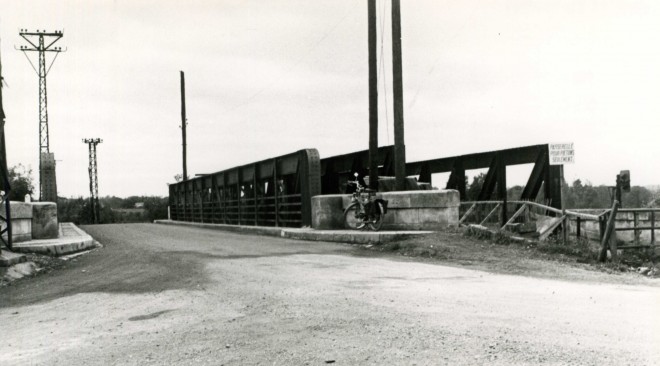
578,227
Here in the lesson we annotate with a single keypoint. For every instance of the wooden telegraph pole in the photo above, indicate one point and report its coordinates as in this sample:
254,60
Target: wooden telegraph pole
399,144
183,125
373,97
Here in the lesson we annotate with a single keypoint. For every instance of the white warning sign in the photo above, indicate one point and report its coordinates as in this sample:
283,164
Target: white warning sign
561,154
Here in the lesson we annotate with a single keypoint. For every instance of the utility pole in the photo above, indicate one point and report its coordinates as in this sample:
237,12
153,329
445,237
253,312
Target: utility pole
373,96
93,180
42,41
184,122
5,216
399,144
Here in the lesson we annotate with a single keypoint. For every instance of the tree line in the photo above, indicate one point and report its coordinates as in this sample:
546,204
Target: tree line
79,211
113,209
579,194
149,208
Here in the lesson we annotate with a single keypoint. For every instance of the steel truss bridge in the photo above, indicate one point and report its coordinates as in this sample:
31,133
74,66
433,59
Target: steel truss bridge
278,191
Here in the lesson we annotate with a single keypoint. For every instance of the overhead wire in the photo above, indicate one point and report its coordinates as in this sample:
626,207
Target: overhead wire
31,64
52,62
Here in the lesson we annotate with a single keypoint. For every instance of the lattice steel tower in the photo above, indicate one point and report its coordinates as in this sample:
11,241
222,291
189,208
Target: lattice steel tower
93,180
42,41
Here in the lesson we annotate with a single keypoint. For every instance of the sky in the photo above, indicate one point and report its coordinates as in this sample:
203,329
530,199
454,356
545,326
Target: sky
266,78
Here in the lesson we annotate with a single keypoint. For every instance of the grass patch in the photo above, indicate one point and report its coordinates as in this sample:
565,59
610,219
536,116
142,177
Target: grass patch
582,250
499,252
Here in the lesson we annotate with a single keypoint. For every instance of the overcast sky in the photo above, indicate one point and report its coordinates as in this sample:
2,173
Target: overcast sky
265,78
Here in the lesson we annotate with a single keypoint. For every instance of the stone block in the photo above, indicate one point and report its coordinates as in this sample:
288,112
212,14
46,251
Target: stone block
327,211
421,218
8,258
407,210
20,210
21,221
21,230
423,199
44,220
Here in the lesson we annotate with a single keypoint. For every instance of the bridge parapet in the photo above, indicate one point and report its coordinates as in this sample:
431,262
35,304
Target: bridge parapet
271,192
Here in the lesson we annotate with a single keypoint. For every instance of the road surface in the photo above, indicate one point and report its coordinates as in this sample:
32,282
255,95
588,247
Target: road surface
162,295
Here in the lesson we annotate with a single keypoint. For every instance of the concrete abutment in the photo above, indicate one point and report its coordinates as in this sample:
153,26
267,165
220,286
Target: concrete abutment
407,210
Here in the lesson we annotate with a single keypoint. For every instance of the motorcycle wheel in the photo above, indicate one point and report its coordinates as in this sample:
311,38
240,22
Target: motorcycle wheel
376,220
354,217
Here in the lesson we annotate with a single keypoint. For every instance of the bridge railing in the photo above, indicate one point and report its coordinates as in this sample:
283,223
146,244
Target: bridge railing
598,226
272,192
473,211
639,221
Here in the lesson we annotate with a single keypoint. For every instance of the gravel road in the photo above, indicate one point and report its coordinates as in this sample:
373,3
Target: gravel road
161,295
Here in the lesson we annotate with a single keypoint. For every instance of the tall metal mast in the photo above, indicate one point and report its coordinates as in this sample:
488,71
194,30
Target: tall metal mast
93,180
42,41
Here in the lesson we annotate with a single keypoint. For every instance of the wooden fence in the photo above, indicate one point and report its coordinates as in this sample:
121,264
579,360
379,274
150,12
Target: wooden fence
606,221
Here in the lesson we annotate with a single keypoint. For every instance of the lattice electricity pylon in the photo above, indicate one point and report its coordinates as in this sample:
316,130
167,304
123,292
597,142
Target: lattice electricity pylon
93,179
42,41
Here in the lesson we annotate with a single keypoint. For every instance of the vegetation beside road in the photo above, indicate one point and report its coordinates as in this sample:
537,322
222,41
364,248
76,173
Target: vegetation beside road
113,209
499,254
78,209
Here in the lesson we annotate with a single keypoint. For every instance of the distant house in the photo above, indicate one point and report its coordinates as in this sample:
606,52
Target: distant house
139,204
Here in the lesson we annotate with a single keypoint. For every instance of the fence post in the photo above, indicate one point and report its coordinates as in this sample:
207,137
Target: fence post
276,189
577,229
652,247
636,223
564,225
607,234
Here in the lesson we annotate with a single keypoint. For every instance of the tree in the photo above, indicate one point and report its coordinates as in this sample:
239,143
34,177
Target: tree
638,197
473,190
156,208
70,210
514,193
20,180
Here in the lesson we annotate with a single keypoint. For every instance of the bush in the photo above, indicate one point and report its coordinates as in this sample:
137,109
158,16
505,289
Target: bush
20,181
